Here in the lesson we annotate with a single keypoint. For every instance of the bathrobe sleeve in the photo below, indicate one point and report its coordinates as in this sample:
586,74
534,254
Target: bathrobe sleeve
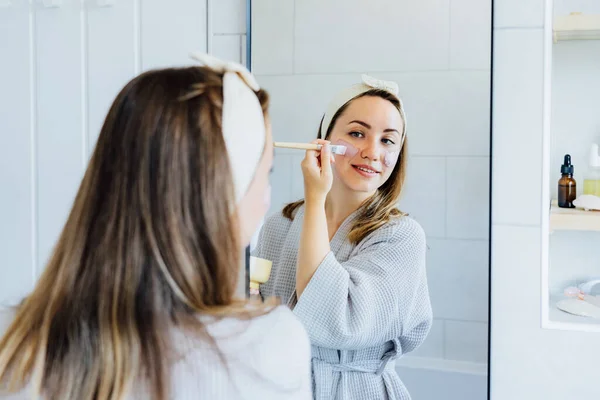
379,294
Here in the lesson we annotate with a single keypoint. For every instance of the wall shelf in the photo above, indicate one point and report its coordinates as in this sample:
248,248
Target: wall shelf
576,26
572,219
561,320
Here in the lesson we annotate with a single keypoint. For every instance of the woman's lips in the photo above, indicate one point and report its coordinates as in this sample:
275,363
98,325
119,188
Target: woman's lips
366,170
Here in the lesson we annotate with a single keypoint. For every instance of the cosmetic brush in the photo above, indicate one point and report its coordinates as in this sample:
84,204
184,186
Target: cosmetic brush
335,148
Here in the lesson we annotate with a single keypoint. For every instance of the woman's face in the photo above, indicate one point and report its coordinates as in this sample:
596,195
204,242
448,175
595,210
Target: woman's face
256,202
371,129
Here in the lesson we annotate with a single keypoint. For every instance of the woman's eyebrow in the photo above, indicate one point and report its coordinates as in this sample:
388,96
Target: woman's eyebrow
360,123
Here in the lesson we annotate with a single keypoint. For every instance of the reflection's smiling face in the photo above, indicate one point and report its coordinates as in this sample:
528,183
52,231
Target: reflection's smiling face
372,127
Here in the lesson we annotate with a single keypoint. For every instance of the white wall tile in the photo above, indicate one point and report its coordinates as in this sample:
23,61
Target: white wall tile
466,341
424,194
467,209
229,16
228,47
60,144
166,43
16,214
110,36
443,384
470,34
457,274
517,126
448,112
434,344
338,36
515,313
272,36
298,103
518,13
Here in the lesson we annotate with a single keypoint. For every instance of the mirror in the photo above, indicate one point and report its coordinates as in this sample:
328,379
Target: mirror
438,52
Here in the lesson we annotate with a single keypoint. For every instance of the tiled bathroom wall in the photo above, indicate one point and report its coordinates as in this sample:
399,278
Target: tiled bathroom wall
61,68
439,53
228,26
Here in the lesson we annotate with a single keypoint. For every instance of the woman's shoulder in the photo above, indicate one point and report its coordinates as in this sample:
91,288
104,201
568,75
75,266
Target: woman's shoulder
284,330
278,327
275,227
267,355
283,348
399,230
275,343
278,220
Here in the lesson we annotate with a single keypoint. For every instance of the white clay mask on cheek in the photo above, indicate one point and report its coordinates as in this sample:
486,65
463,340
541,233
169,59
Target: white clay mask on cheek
351,151
390,158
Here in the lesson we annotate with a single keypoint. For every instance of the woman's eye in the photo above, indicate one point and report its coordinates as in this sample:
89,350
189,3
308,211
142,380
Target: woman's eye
388,141
356,134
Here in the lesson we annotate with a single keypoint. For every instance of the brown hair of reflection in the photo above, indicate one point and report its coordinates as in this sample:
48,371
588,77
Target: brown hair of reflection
380,208
151,242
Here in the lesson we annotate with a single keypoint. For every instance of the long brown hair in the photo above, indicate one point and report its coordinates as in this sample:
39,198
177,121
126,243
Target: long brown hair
382,207
150,243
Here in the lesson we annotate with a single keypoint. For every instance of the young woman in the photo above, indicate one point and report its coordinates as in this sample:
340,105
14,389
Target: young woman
349,263
137,300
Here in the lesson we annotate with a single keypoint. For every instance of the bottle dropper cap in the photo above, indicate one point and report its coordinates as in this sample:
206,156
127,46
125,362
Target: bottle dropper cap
567,167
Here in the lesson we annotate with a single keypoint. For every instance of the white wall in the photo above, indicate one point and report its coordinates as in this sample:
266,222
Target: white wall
439,53
527,362
60,69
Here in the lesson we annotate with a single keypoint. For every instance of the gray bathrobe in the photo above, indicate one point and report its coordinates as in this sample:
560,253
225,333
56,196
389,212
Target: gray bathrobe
365,306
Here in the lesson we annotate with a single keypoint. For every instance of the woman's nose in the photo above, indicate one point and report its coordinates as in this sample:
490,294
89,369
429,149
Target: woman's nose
372,150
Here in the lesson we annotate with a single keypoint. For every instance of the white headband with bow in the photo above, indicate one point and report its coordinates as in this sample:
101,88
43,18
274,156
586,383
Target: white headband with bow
349,93
242,120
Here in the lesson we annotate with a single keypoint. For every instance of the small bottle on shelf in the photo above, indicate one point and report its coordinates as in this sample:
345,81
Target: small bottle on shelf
567,187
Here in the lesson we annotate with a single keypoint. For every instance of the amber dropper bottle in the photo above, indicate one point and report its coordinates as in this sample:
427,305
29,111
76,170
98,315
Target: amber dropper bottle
567,187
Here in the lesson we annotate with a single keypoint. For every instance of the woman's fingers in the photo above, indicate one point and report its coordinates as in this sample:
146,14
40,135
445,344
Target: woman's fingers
326,159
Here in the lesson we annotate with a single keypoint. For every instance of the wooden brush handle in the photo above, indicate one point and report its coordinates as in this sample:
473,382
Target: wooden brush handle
299,146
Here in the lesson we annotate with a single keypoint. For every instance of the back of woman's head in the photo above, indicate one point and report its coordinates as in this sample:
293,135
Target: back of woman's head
151,241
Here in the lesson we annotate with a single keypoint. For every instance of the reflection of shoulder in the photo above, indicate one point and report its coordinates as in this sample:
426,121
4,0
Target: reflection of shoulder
277,224
399,230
